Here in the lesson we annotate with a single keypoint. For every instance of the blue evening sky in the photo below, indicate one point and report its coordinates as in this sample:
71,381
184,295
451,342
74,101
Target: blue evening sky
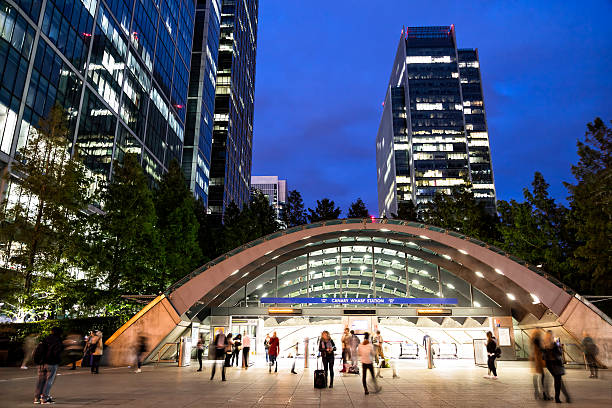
323,67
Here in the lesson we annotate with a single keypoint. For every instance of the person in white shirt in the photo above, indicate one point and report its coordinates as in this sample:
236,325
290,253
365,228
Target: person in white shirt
246,348
366,354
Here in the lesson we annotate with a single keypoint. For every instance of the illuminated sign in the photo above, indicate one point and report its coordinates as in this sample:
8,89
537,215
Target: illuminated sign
434,312
361,301
284,311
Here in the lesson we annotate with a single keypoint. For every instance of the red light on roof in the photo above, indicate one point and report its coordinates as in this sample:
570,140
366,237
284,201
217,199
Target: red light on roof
179,106
86,34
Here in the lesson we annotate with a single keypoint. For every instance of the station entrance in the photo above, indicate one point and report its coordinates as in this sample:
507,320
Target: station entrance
406,279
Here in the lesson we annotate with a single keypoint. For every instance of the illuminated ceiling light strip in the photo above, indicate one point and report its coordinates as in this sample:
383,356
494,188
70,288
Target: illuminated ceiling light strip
463,251
479,274
536,300
499,271
511,296
235,272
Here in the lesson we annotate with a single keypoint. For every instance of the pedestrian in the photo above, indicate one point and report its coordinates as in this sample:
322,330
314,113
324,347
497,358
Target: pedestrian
354,357
273,352
74,348
246,349
590,354
378,351
141,349
267,346
96,347
346,349
295,358
492,354
366,355
537,365
47,355
200,351
554,364
327,349
87,357
229,349
219,346
29,344
237,347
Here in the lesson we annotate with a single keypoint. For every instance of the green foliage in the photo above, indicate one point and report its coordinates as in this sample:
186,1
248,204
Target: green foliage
294,214
535,230
125,254
460,211
41,231
358,210
406,210
177,226
325,210
591,210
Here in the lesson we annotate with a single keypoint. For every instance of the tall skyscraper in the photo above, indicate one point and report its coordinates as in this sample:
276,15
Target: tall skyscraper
120,68
232,144
274,189
201,98
433,132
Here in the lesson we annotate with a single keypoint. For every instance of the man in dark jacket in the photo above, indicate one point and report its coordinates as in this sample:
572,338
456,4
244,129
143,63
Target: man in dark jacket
48,354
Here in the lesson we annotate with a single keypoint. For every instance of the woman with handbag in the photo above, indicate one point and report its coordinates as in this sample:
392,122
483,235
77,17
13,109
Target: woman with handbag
229,350
327,348
236,349
554,363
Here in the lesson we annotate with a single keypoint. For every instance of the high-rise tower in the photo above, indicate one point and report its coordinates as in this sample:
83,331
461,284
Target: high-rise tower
433,132
232,143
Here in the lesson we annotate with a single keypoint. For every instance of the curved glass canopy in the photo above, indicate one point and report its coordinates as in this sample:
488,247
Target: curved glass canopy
359,267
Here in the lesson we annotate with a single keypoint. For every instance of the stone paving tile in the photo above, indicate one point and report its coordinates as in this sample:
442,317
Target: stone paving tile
450,385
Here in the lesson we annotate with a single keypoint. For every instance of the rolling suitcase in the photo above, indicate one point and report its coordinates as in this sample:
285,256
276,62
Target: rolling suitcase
319,377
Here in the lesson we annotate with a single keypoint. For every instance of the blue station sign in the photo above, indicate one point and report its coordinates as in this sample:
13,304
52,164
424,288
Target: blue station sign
362,301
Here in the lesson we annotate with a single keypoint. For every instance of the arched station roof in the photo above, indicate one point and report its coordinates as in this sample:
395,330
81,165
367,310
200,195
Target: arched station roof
408,259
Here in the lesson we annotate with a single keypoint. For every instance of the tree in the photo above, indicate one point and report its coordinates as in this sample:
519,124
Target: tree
325,210
534,229
591,209
125,246
261,216
209,231
460,211
40,227
358,210
406,210
177,226
294,213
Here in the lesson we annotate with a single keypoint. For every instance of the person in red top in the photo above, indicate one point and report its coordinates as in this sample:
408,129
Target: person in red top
273,352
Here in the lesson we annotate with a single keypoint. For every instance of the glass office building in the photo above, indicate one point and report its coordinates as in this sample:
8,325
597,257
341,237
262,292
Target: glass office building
232,143
274,189
201,98
120,68
433,134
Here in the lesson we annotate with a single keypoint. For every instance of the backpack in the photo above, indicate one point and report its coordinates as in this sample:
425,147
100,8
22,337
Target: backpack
40,352
497,352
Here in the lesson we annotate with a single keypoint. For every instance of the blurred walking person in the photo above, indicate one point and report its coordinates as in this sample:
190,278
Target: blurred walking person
590,354
492,354
267,347
354,342
540,388
378,352
346,349
236,349
74,348
47,355
200,351
96,346
295,358
246,349
273,352
141,349
29,344
554,363
327,349
366,355
219,346
229,349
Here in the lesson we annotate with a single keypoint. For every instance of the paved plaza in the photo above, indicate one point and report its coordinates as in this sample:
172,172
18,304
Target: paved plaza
451,384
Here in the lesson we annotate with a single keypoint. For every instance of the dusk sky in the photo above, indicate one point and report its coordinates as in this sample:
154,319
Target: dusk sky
323,68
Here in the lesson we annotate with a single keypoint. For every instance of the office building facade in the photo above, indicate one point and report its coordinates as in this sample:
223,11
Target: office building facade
201,98
232,143
433,132
274,189
120,68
